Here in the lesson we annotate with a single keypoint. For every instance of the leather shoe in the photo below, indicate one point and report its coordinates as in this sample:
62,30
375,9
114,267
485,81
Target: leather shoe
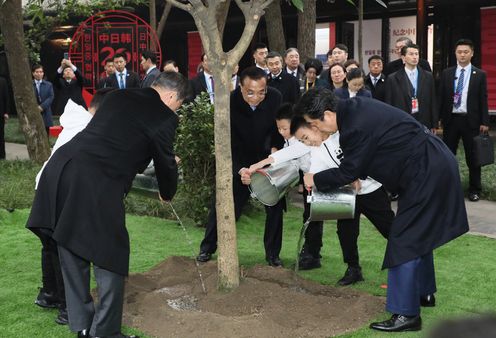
62,318
46,300
204,257
309,263
84,334
274,262
351,276
398,323
473,197
119,335
394,197
428,301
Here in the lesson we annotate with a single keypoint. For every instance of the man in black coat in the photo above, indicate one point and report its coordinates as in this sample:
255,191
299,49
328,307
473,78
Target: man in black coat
285,83
464,109
4,110
411,89
122,78
375,81
79,199
253,134
393,148
69,83
149,65
397,64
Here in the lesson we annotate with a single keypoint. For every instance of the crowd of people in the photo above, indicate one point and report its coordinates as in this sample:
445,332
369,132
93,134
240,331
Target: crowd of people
331,120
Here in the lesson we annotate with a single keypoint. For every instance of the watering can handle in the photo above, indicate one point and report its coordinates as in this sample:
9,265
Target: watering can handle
309,196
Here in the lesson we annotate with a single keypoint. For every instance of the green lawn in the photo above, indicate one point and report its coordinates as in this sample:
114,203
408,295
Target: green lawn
465,267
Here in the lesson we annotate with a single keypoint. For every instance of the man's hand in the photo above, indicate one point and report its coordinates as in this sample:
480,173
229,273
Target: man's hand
5,117
357,185
308,181
40,109
484,129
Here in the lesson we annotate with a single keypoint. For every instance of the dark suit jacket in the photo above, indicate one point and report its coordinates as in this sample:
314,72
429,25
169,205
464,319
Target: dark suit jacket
45,99
396,65
393,148
198,84
399,93
150,77
253,132
477,107
69,90
132,80
343,93
287,85
379,90
81,191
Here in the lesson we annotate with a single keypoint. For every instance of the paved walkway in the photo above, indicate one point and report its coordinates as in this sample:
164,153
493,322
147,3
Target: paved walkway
481,215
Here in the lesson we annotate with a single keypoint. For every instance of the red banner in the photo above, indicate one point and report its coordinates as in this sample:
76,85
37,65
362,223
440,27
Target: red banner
488,52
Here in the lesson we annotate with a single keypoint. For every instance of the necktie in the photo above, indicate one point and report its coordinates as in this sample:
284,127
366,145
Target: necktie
38,87
459,89
374,81
414,83
212,83
293,73
122,84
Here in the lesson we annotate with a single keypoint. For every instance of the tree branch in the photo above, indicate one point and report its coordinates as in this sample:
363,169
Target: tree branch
176,3
163,19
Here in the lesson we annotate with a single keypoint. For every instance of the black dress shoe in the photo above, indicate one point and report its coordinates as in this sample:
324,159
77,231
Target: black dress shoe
204,257
47,300
394,197
62,318
398,323
309,263
428,301
274,262
351,276
84,334
474,197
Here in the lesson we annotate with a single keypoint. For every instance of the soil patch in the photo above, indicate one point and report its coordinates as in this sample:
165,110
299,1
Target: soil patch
168,301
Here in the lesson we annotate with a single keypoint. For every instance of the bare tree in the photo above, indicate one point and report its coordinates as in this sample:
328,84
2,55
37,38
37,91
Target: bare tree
275,28
306,30
222,65
11,24
153,14
163,20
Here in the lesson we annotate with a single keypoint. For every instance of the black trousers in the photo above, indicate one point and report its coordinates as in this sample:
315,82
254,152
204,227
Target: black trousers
377,208
314,233
51,273
2,137
459,128
273,222
104,318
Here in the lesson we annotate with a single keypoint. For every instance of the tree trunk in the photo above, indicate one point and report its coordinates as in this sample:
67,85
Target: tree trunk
27,108
360,32
222,11
153,14
163,20
275,28
306,30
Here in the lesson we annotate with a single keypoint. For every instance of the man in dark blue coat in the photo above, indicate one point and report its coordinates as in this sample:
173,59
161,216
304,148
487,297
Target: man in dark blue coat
79,200
393,148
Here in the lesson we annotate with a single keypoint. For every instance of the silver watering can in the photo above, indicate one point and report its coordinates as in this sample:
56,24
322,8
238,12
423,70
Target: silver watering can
270,184
336,204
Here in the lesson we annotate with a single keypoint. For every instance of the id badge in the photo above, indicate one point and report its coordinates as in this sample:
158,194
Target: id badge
414,105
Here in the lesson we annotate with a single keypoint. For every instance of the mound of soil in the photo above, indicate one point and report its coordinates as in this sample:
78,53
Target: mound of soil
168,301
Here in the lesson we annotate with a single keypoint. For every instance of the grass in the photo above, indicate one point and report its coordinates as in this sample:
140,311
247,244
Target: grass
14,134
464,267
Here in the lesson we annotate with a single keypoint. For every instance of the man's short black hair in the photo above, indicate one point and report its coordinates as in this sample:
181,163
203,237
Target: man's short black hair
272,55
285,112
405,47
99,96
170,62
120,55
202,56
173,81
254,73
351,62
258,45
148,54
298,122
315,102
314,63
109,60
375,57
465,42
340,46
35,67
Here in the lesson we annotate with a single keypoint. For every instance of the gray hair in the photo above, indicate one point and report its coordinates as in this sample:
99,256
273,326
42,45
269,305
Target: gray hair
173,81
289,50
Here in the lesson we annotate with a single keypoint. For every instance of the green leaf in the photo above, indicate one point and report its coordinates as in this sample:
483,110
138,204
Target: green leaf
298,4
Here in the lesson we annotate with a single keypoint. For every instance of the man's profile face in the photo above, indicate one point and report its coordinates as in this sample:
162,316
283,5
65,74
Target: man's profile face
205,65
411,57
109,68
260,55
145,63
119,64
275,65
464,54
328,124
170,99
253,91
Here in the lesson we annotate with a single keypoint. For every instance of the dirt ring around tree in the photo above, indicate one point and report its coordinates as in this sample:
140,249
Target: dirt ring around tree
168,301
